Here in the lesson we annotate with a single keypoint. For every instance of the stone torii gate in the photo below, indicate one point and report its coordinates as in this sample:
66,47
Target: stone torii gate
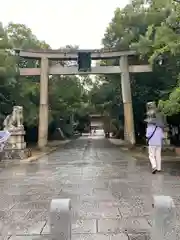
68,55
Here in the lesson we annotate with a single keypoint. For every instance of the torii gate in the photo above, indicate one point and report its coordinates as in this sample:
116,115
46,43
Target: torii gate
96,120
64,55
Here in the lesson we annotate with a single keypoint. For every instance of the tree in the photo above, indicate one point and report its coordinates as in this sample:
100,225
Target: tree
66,94
171,106
152,28
162,44
26,89
7,73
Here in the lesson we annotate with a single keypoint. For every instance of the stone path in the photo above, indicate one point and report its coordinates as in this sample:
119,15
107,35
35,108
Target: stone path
111,193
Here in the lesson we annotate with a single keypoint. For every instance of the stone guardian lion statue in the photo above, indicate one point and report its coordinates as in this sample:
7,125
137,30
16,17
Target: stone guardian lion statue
14,121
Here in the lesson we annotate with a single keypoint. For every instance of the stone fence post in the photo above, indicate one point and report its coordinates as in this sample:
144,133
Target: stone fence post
164,221
60,219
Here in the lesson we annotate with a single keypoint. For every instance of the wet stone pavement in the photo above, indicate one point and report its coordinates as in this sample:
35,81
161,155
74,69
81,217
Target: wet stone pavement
111,193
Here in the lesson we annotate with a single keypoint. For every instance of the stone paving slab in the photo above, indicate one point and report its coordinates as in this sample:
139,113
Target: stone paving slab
79,227
87,212
35,205
120,236
127,224
37,215
24,228
139,236
111,192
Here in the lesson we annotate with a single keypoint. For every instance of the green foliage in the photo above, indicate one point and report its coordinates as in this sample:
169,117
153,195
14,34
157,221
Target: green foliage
66,94
172,105
7,73
106,97
152,28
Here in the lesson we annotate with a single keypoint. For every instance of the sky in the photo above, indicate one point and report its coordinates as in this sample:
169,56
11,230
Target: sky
63,22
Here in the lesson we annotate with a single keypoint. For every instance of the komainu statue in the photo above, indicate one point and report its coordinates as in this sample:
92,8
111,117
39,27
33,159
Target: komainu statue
151,110
14,121
153,115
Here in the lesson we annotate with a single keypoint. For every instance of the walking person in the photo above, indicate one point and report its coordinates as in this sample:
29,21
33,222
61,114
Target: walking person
154,135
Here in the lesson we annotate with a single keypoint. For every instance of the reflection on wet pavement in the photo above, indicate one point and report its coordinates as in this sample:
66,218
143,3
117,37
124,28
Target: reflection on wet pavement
111,192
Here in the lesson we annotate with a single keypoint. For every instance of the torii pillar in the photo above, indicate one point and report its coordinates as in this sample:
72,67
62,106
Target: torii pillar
129,132
43,108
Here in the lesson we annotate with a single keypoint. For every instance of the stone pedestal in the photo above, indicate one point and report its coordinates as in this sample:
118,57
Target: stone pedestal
15,147
16,139
166,140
